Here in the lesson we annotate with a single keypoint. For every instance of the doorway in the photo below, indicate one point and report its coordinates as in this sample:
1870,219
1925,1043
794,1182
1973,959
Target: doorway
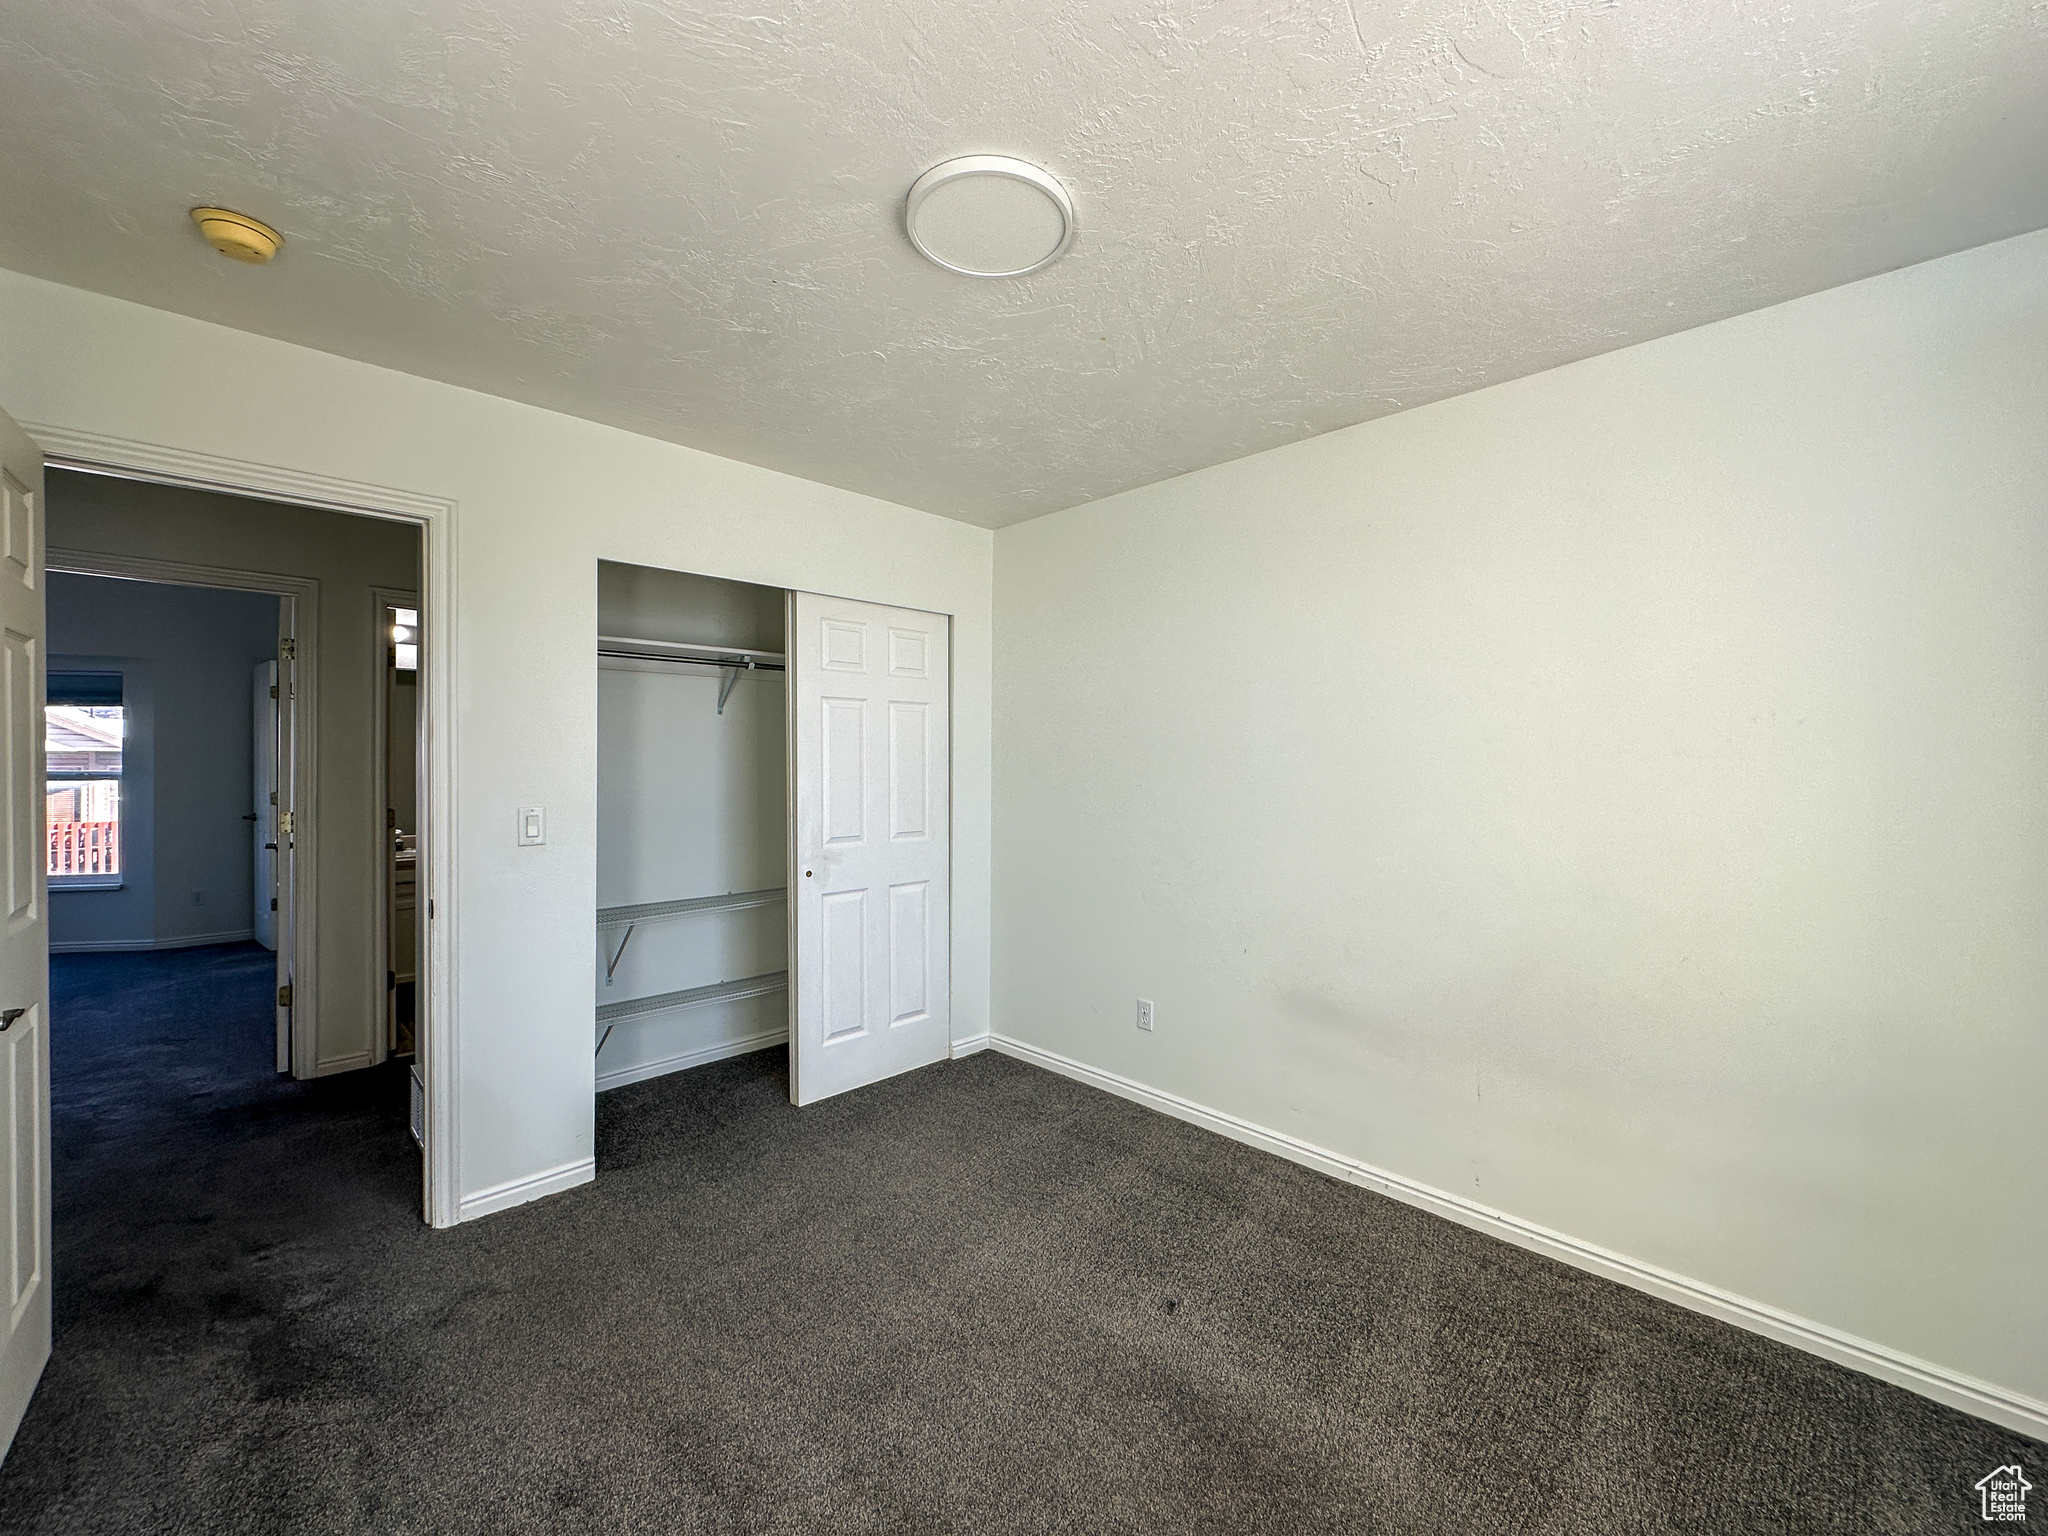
180,644
156,766
434,519
316,730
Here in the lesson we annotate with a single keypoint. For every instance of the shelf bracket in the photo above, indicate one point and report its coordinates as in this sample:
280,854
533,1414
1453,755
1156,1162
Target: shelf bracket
602,1038
732,676
611,966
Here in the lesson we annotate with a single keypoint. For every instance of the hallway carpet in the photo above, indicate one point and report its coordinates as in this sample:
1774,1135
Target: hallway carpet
977,1299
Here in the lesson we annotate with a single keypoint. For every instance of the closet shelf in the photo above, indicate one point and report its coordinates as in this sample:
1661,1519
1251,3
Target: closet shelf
609,1014
647,911
682,650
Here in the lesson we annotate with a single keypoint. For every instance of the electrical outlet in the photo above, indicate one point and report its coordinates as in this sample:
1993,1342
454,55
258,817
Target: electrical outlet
1144,1013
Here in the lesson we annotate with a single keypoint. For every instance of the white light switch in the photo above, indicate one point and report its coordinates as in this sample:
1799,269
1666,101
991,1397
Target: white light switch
533,825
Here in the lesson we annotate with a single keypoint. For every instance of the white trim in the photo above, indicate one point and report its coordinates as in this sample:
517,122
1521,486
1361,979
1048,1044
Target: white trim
175,573
702,1055
971,1045
2001,1405
500,1197
437,1026
130,459
134,946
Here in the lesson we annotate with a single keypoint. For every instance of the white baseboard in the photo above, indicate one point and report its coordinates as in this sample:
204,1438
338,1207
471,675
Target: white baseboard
970,1045
500,1197
2000,1405
136,946
697,1058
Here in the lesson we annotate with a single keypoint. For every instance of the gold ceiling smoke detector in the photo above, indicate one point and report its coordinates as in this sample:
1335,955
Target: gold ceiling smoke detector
237,235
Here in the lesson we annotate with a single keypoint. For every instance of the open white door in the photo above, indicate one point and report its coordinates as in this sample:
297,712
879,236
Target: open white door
293,1054
263,807
870,875
24,943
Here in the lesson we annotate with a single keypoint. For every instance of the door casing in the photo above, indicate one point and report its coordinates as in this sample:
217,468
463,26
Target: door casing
439,1031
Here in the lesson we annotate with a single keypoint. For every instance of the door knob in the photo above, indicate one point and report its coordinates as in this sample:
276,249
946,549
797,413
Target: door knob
8,1017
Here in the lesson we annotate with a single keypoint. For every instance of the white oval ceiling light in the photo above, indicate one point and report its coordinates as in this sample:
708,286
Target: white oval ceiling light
989,216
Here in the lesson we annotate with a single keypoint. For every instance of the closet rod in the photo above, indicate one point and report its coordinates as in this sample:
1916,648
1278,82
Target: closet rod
686,649
732,664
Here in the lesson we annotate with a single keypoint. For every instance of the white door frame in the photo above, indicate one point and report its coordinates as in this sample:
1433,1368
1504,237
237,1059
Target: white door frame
436,1026
299,598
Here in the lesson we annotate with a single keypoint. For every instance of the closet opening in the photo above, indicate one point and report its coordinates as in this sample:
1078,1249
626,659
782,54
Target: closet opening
773,831
692,836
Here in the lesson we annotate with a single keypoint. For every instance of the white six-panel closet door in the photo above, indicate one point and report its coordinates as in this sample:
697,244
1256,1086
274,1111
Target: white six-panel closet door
870,891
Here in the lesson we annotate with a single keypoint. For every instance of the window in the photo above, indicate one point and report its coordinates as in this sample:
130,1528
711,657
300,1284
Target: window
405,638
83,725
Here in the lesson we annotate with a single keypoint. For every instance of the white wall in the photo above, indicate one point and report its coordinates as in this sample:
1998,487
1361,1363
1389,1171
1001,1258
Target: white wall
185,655
690,802
541,499
1616,797
348,556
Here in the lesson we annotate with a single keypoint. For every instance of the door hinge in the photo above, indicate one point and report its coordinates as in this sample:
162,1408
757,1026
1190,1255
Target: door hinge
273,903
287,650
284,822
284,995
273,690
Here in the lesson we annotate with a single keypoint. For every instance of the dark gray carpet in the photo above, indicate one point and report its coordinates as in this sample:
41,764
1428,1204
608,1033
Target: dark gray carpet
979,1299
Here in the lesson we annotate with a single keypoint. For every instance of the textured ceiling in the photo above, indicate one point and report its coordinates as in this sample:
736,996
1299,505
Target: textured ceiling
684,218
